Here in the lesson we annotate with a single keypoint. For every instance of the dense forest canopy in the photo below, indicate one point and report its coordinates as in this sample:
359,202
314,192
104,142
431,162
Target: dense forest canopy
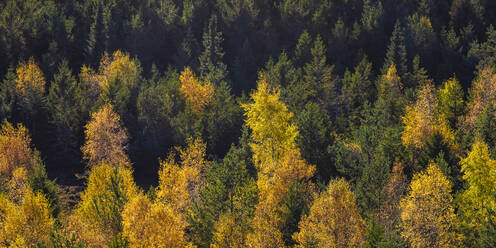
248,123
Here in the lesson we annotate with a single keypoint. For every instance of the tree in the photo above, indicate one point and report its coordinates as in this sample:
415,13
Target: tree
116,82
30,79
451,103
278,163
357,90
314,125
8,95
26,223
30,86
211,66
197,95
226,201
302,49
422,121
389,93
179,184
318,74
98,35
270,121
389,209
396,51
148,224
428,217
97,218
482,94
477,203
105,139
65,111
334,220
229,233
15,149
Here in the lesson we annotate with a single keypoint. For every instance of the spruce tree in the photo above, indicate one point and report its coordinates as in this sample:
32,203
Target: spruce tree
98,36
211,66
396,51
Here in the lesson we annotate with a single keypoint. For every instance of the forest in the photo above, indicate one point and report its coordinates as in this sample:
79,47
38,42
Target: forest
248,123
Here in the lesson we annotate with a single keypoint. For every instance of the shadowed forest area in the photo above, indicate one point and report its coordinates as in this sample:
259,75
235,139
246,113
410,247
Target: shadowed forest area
248,123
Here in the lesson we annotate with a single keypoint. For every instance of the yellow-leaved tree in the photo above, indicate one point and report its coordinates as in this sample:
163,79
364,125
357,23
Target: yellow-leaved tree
422,120
26,223
179,183
229,233
273,133
163,223
427,214
15,149
148,224
30,79
119,66
479,171
97,217
105,139
334,220
278,162
198,95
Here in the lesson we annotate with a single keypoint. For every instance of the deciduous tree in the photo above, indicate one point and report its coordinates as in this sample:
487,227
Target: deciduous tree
482,94
477,203
105,139
334,220
197,95
15,149
97,218
26,223
427,214
148,224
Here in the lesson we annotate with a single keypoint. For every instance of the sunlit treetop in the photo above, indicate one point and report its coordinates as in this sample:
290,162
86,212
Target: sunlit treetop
119,66
15,149
273,132
30,78
198,95
106,138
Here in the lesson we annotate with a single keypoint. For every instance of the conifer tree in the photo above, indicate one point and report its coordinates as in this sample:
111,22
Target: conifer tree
396,51
212,67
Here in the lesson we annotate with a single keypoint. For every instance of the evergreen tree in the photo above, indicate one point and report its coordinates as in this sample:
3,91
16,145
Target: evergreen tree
212,67
396,51
65,112
98,36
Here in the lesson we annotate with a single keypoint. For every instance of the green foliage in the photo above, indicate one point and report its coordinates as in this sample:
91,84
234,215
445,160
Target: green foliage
334,82
229,189
396,51
7,95
314,138
211,66
39,182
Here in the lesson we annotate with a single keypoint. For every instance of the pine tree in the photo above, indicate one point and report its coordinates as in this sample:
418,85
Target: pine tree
65,111
98,35
396,51
212,68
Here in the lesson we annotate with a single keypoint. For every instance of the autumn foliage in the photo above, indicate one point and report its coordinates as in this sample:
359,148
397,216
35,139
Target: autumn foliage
30,78
198,95
15,149
106,139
